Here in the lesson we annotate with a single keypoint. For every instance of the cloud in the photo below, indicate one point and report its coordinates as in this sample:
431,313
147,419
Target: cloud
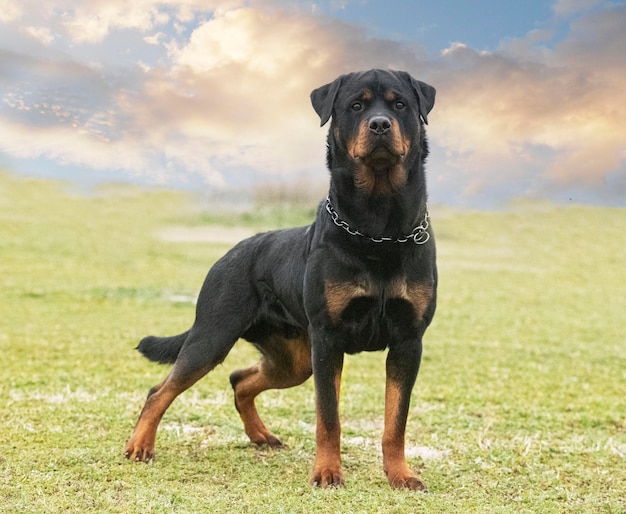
189,117
544,119
207,89
10,10
66,145
155,39
240,37
569,7
242,91
41,34
91,22
65,111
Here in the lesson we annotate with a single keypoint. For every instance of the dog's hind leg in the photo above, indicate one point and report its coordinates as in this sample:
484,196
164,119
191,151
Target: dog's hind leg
197,357
284,363
227,305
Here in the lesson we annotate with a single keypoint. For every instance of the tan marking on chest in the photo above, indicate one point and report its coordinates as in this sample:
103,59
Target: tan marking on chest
339,294
419,295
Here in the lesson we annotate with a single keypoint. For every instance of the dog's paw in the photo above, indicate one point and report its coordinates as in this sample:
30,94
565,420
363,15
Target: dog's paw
327,477
138,453
270,440
407,481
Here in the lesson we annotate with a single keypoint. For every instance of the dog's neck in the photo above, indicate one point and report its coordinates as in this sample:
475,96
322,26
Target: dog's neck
418,235
389,215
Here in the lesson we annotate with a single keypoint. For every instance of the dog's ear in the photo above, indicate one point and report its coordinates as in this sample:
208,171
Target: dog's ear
425,96
323,99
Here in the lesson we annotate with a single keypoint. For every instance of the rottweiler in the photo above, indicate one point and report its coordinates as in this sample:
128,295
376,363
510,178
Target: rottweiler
361,277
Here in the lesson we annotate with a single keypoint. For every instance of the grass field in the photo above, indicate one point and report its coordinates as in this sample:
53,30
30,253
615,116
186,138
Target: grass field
520,405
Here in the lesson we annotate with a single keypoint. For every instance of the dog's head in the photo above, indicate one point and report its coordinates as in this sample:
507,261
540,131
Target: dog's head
377,125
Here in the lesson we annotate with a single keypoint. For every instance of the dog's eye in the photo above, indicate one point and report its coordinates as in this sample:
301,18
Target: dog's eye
356,106
400,105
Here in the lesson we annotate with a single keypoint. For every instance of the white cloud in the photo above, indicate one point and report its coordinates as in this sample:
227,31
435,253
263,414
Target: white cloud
547,118
10,10
42,34
241,37
223,90
91,22
569,7
85,25
454,47
155,39
68,146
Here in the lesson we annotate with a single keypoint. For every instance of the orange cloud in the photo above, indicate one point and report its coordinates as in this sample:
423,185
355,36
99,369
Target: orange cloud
570,100
231,97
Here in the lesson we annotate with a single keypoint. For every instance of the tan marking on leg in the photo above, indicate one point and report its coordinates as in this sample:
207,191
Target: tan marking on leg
248,383
140,446
300,350
395,466
327,470
252,382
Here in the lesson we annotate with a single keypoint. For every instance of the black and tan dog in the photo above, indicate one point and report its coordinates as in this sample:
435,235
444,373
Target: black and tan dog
362,277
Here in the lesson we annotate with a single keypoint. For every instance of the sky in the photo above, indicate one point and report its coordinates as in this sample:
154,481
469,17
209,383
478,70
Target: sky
214,95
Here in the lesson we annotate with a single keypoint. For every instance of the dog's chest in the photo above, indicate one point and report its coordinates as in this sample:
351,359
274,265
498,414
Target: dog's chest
371,315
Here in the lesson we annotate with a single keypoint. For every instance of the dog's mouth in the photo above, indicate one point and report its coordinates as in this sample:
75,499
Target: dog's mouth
380,167
378,154
379,149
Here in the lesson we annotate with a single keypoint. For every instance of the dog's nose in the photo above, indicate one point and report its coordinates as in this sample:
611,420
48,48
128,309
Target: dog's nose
380,124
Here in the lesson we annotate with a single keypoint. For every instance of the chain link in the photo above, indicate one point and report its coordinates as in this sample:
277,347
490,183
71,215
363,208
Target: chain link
419,235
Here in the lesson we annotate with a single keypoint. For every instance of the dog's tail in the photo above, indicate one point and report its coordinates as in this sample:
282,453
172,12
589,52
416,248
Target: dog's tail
163,350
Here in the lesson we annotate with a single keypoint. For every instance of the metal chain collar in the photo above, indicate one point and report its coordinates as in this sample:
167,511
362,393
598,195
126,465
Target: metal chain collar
419,235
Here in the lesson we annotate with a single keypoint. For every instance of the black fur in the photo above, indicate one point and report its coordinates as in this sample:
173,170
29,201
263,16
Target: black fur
305,296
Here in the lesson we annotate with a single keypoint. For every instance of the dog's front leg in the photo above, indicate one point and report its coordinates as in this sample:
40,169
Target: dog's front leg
327,366
402,368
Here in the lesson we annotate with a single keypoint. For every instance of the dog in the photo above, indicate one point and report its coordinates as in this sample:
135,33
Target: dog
361,277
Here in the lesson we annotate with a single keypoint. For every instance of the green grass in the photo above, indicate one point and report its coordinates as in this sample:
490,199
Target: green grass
520,405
